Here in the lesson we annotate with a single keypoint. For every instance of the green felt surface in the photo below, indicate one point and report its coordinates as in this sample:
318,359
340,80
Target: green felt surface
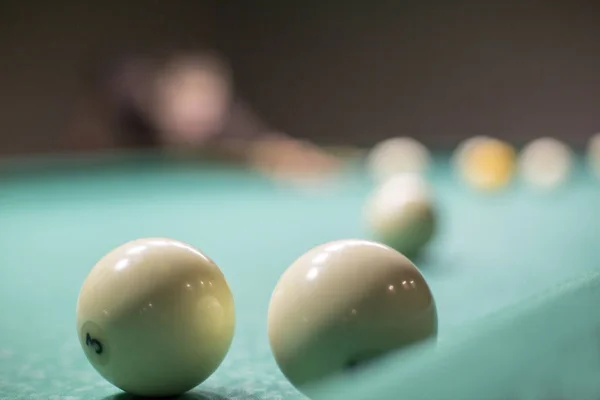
515,276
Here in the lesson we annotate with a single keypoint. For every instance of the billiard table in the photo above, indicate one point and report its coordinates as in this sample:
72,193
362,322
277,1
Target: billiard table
515,275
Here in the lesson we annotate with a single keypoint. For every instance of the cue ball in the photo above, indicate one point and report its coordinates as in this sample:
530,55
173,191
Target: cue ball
401,213
155,317
344,303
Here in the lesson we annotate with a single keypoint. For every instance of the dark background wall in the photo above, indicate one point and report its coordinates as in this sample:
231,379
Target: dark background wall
333,71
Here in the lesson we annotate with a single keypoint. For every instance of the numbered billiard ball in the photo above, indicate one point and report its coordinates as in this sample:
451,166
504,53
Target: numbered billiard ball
486,164
155,317
401,213
462,153
345,303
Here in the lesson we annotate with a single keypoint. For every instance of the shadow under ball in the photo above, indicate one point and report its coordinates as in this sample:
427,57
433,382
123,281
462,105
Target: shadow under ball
344,303
155,317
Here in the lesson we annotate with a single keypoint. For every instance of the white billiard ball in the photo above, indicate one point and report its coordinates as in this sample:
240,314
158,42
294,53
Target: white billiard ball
345,303
397,155
545,163
401,213
155,317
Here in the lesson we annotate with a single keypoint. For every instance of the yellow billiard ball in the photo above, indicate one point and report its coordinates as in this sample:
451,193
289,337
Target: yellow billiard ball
155,317
488,164
344,303
401,213
464,149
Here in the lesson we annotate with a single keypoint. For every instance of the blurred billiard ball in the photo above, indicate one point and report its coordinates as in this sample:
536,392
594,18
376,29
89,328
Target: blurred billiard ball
397,155
401,213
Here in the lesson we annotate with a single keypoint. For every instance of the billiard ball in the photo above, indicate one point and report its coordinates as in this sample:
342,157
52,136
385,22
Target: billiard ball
345,303
488,164
397,155
464,149
545,163
401,213
155,317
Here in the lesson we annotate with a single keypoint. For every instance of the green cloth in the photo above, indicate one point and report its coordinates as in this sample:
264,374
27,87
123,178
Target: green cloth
515,276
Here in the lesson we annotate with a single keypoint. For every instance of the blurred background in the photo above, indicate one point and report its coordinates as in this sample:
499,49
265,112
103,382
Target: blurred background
330,71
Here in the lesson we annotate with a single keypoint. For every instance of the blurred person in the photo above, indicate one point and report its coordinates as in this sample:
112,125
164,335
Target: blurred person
185,102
